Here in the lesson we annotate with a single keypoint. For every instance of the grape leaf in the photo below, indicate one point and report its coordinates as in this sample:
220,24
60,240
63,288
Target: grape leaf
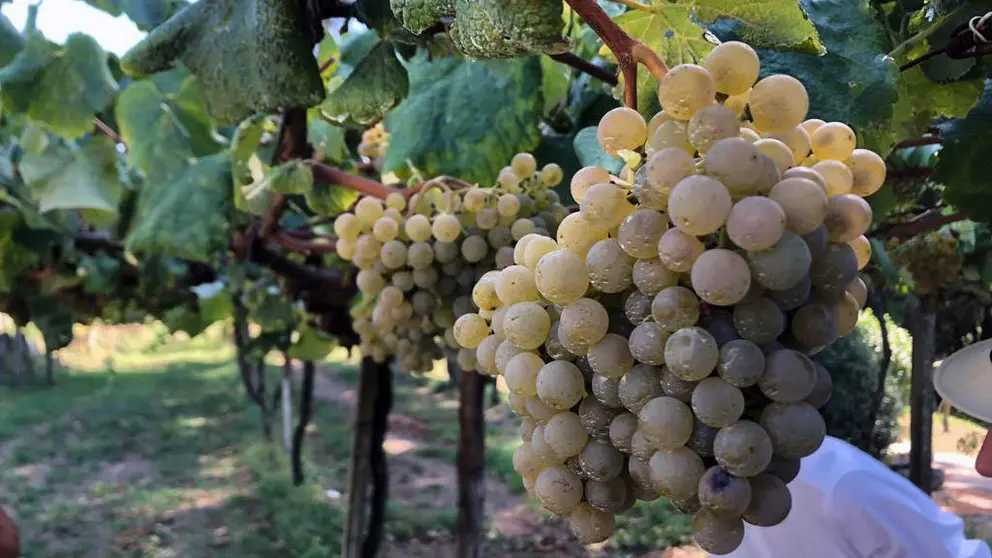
63,88
53,318
157,141
214,301
320,134
146,14
854,82
188,217
292,178
474,33
675,31
312,344
328,199
71,177
591,154
183,318
534,26
554,82
11,41
247,55
465,118
99,272
376,85
961,164
378,15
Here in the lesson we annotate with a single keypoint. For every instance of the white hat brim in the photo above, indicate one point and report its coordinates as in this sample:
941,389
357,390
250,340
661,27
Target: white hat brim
965,379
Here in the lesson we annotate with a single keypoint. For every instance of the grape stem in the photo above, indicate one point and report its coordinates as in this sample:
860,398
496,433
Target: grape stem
103,127
585,66
627,50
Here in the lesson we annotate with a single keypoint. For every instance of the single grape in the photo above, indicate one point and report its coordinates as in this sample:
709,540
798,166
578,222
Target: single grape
610,357
784,469
641,449
609,268
651,277
776,151
734,67
607,496
804,203
470,330
487,218
833,140
795,429
521,228
792,297
393,254
675,308
673,386
760,321
721,277
605,391
822,389
770,176
770,503
637,307
717,533
867,170
685,89
560,384
859,291
699,205
474,249
782,265
671,135
596,418
536,249
368,210
516,284
640,232
521,373
418,228
797,140
719,324
591,525
551,175
541,413
737,103
741,363
717,403
846,313
621,128
347,226
711,124
778,102
666,422
848,217
526,325
485,354
689,506
655,179
678,251
691,353
743,448
807,173
789,377
640,385
586,178
622,429
814,325
736,163
558,490
837,176
524,165
525,462
702,439
676,472
584,321
724,493
835,269
577,234
605,204
601,461
756,223
484,293
862,250
385,229
565,434
647,343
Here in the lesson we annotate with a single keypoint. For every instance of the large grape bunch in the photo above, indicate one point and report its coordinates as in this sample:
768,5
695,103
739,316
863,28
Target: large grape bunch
660,346
419,261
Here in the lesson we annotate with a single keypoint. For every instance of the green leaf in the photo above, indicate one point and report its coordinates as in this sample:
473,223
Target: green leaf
312,344
11,41
247,169
474,33
247,55
674,30
33,138
330,138
554,82
53,318
146,14
591,154
962,162
418,15
183,318
64,88
188,217
271,309
292,178
157,141
14,256
378,15
854,82
378,83
214,301
70,177
466,118
355,47
533,26
327,199
921,101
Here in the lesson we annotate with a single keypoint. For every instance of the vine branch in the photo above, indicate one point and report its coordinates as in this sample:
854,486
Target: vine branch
587,67
106,129
916,142
627,50
926,222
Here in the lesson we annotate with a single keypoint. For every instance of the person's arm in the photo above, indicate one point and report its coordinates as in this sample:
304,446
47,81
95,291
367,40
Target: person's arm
882,515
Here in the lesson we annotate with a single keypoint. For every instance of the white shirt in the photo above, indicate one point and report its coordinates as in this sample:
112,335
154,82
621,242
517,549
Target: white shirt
845,504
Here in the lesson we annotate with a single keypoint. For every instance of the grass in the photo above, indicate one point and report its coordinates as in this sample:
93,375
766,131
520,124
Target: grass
962,435
151,450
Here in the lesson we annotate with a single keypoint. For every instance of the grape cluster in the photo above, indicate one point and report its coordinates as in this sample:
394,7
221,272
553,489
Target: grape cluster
375,142
419,260
660,345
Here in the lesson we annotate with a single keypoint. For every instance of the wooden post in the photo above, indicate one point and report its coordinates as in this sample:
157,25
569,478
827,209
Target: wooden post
287,403
368,480
306,412
922,328
471,462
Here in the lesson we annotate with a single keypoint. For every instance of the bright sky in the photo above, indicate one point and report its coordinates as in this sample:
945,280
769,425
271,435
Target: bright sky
57,19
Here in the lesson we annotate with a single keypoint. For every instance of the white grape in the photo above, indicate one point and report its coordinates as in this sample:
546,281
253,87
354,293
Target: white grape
685,89
622,128
734,67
